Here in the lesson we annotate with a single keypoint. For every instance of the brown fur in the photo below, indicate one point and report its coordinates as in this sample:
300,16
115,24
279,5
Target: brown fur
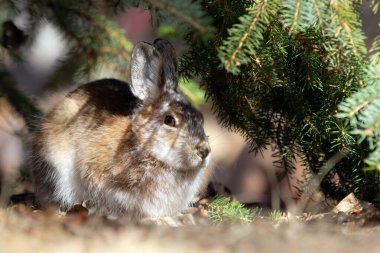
110,136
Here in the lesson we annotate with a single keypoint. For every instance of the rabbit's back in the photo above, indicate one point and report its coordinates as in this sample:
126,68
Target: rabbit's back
92,123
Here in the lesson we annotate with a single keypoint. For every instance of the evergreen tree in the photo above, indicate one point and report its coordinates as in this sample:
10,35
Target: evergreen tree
278,71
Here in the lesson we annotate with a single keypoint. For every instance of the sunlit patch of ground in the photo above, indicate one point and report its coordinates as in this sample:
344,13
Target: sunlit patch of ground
25,230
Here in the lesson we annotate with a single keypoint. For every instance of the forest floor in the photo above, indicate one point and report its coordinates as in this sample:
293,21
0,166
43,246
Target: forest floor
348,228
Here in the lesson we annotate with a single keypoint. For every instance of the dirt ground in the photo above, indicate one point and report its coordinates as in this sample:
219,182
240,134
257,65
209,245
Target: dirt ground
24,230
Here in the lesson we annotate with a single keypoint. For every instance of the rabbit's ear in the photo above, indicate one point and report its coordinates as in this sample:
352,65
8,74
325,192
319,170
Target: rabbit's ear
146,72
169,60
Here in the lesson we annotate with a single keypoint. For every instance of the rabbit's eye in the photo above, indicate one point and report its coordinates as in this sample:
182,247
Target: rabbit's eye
169,120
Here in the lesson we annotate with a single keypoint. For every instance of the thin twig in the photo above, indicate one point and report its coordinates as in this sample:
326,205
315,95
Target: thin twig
178,14
317,179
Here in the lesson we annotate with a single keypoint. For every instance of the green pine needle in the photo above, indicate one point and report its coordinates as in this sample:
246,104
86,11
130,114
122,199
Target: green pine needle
245,37
299,15
280,71
375,51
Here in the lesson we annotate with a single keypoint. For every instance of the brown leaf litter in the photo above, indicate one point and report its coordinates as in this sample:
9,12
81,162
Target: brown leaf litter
347,229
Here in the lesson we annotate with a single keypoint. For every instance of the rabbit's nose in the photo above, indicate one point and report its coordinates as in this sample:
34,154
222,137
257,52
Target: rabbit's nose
203,149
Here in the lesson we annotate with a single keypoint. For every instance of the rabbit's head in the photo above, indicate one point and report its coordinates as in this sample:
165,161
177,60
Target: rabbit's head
167,126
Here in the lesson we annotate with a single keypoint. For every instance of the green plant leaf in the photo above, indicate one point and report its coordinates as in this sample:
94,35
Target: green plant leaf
224,210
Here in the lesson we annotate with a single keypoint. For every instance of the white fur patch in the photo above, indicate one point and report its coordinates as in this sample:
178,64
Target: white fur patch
68,186
173,197
165,153
168,199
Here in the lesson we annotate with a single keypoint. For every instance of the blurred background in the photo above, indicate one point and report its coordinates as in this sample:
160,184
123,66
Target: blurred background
37,64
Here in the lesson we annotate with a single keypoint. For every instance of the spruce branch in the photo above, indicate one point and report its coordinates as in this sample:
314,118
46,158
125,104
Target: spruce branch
99,41
375,51
181,15
263,71
246,36
373,160
251,26
286,78
298,15
317,8
361,106
362,110
348,19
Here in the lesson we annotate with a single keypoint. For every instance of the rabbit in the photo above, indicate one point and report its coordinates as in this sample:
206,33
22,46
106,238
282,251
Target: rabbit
135,151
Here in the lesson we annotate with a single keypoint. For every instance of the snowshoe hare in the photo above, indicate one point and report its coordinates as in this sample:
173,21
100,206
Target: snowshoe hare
136,150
